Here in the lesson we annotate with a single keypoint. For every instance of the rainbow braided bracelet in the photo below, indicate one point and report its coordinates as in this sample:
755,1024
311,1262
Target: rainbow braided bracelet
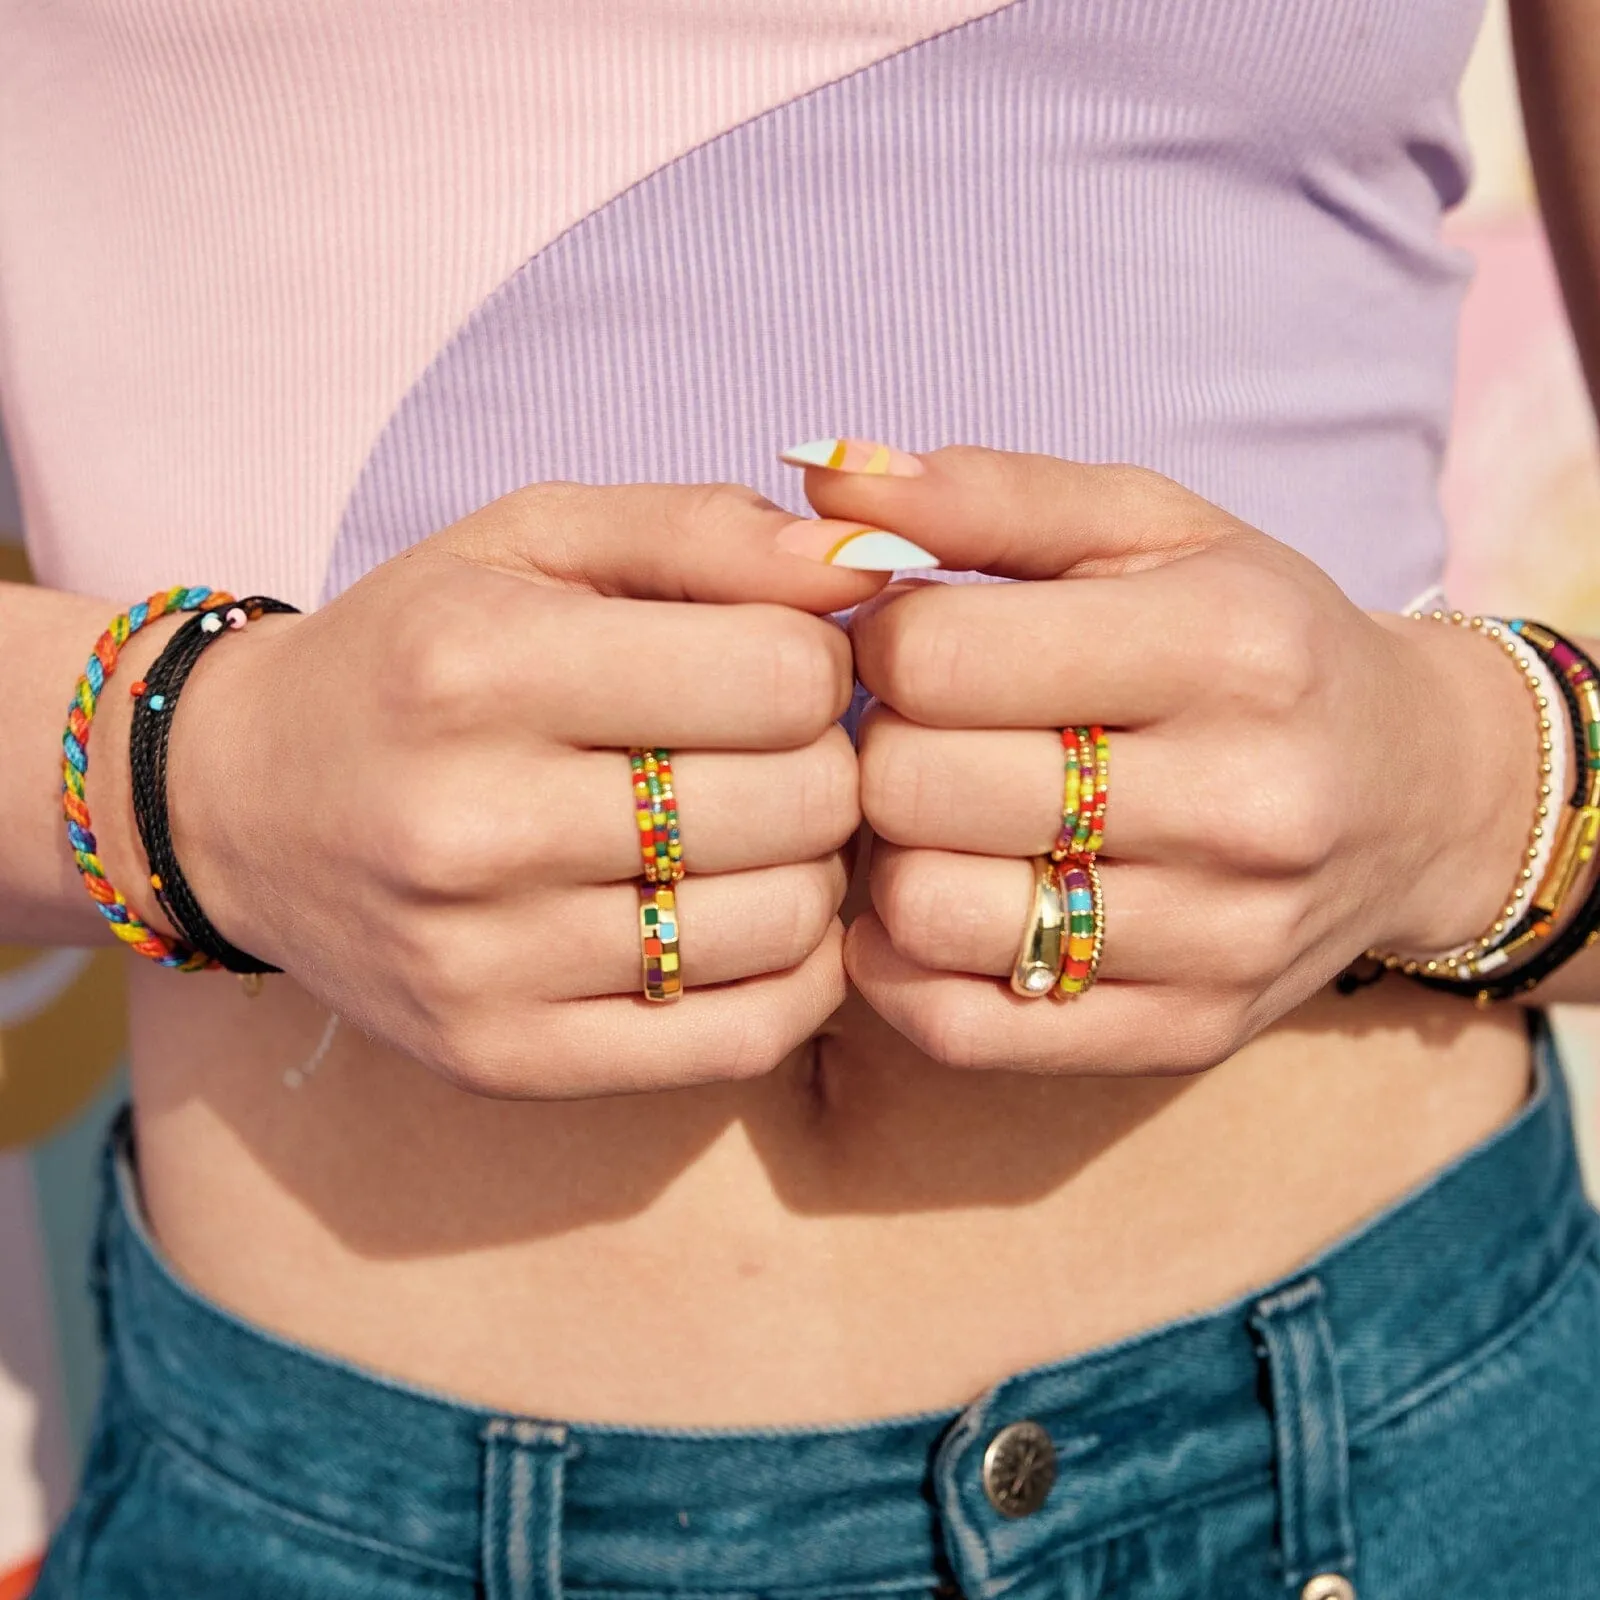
75,766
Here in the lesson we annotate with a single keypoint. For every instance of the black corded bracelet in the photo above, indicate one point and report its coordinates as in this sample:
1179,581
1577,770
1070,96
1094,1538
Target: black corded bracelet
1578,679
155,702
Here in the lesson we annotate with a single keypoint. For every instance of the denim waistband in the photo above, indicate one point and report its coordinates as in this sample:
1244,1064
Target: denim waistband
1178,1414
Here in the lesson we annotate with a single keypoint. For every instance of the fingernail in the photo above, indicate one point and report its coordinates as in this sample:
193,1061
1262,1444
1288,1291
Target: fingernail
854,455
849,544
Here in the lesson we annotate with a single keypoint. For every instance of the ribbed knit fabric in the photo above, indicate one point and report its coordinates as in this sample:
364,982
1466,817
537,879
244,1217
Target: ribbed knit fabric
286,286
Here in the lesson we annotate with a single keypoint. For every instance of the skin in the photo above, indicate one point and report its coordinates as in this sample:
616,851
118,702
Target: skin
816,1200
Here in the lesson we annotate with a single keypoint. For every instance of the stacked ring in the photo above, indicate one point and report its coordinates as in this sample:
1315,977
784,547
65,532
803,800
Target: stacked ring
1039,956
1080,879
656,810
1085,786
658,941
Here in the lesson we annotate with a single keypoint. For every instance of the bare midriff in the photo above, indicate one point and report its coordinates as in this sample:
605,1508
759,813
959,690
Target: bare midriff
861,1233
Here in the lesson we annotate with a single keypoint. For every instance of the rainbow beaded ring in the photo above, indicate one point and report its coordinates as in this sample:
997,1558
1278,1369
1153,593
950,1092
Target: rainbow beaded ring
75,767
1080,879
655,808
1084,790
658,941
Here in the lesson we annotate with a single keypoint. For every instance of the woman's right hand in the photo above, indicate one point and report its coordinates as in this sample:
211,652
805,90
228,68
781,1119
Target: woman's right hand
417,800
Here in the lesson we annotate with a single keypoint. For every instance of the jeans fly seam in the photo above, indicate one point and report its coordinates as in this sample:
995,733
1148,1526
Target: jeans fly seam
1496,1344
161,1438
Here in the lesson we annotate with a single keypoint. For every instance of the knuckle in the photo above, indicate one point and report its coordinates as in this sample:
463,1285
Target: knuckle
437,844
716,507
827,798
923,665
802,910
436,672
1249,946
1210,1033
895,796
1267,657
1286,821
751,1045
924,922
808,681
956,1036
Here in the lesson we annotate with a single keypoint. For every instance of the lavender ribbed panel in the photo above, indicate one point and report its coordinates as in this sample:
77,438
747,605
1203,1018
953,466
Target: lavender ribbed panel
1201,236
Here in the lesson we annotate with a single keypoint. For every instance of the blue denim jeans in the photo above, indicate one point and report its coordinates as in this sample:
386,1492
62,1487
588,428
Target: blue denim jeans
1413,1415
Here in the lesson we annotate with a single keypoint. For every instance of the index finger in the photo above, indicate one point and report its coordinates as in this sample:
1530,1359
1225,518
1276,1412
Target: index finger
717,677
1118,650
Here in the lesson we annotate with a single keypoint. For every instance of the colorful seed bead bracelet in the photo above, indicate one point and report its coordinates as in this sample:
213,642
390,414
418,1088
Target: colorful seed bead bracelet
1532,948
75,767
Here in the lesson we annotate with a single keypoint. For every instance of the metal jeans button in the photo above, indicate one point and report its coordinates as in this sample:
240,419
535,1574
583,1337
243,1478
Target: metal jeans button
1328,1586
1019,1468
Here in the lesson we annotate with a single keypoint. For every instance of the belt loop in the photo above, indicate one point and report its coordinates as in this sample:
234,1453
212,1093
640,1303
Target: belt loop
1311,1441
523,1467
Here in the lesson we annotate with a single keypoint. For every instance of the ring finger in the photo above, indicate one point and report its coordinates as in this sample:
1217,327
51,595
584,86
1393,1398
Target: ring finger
997,791
965,913
738,809
732,925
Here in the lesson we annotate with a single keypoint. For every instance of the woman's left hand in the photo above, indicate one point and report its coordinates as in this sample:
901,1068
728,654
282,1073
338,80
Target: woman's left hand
1292,779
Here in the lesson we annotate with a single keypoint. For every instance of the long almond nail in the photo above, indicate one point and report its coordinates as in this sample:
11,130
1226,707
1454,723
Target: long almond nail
849,544
854,455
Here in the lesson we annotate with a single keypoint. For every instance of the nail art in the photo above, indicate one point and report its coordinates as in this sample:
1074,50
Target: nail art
854,455
849,544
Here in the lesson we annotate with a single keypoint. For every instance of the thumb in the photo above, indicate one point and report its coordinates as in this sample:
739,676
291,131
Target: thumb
1012,513
716,542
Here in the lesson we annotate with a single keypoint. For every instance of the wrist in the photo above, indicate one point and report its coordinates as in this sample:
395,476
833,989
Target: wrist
216,779
109,787
1471,759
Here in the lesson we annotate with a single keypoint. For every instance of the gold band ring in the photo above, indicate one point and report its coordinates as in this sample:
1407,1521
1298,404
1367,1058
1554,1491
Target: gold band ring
1043,948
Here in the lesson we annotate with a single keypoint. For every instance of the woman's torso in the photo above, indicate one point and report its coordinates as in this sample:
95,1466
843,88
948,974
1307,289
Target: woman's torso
284,288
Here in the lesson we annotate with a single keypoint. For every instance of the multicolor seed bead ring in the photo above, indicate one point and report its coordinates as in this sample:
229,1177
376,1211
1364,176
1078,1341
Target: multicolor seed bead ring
1071,868
655,809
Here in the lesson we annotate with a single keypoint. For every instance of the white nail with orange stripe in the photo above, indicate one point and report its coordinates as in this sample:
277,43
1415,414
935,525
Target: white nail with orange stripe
850,544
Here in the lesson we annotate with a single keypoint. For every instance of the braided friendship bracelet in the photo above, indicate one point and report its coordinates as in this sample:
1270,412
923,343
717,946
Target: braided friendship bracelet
155,699
75,768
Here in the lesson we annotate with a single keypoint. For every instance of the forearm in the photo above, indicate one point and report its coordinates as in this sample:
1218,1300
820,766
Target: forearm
45,638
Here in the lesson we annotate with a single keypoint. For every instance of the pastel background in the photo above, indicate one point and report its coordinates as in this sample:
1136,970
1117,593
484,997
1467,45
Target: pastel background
1523,496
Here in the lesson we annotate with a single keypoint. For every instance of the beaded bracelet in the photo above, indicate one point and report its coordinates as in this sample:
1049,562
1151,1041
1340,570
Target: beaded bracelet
156,698
1496,973
1524,959
75,768
1462,958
